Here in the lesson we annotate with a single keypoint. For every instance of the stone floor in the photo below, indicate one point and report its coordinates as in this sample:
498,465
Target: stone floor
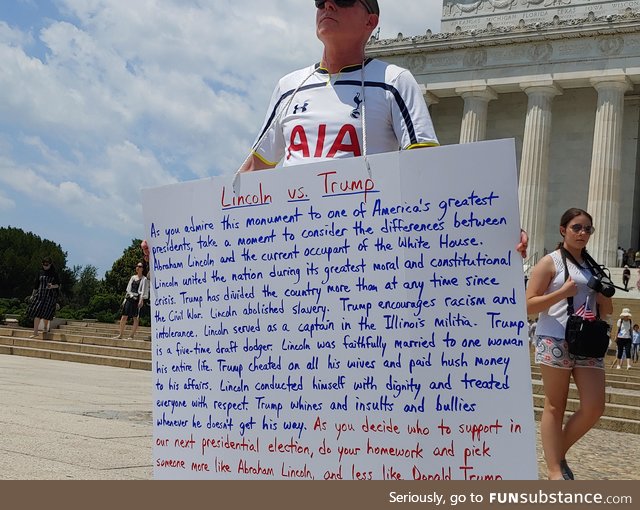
601,455
62,420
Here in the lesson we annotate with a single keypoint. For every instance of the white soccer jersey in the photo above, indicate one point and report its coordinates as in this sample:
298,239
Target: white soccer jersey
323,119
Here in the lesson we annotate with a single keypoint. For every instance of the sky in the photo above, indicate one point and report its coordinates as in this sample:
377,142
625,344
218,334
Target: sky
102,98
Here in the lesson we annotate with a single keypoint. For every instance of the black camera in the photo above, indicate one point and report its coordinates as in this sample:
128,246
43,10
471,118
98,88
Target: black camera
600,280
603,287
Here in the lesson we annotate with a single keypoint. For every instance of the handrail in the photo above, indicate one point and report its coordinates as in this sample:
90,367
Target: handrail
529,262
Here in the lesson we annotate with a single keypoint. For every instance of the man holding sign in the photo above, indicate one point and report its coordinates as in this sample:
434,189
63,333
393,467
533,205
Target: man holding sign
333,334
347,105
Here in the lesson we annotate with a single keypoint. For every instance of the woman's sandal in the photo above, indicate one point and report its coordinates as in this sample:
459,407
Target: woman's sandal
567,474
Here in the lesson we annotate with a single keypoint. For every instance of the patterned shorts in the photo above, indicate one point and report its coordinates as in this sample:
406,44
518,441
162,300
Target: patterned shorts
554,352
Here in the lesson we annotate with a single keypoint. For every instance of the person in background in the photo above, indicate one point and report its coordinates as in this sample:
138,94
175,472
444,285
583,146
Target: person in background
626,276
547,295
623,337
635,343
620,256
630,260
133,301
44,297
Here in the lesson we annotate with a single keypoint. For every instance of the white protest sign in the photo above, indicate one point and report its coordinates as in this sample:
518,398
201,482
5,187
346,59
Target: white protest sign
328,323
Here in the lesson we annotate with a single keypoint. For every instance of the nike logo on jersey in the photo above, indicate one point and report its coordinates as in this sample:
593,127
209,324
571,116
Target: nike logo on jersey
345,141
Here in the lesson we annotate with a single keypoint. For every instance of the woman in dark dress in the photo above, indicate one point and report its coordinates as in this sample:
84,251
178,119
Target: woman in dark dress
45,295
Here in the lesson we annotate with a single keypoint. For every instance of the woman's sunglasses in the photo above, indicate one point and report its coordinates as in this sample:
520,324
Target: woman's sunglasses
587,229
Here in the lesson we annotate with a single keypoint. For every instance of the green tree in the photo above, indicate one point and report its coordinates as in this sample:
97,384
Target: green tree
21,255
86,286
105,307
116,280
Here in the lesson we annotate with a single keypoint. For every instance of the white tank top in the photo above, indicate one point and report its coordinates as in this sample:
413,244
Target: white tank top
554,320
624,328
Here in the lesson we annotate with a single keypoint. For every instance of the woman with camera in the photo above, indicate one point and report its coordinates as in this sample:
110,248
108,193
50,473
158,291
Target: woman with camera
548,289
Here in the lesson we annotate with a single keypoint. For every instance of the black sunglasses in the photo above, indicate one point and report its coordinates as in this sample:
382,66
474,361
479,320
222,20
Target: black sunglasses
139,265
343,3
587,229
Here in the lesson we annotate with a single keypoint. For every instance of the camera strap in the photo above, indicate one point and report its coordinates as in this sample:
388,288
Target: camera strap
565,254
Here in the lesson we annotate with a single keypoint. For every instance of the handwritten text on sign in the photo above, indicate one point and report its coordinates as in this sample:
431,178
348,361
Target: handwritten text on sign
325,323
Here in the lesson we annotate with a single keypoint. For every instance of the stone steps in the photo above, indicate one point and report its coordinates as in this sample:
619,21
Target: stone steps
88,342
625,300
101,330
102,334
622,409
75,357
618,379
81,348
605,423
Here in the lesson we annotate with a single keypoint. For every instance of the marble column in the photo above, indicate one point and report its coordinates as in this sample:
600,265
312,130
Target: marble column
604,181
474,117
429,97
534,164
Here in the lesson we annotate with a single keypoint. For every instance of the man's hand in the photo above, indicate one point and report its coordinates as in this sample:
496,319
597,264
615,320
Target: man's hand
521,247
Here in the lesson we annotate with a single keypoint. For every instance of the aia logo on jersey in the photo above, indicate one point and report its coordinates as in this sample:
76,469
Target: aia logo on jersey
355,113
345,141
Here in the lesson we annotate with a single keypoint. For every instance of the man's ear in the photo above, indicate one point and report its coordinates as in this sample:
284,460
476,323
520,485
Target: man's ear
372,22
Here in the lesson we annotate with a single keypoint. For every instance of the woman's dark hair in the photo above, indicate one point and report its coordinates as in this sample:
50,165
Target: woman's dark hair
568,215
52,268
574,212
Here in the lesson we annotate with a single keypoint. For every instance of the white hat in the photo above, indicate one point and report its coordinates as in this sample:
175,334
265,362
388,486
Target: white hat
625,312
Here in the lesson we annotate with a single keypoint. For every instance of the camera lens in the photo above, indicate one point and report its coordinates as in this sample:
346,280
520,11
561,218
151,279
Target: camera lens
607,290
594,283
599,286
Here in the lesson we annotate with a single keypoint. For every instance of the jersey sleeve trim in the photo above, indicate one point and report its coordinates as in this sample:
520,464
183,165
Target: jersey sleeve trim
263,159
421,144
